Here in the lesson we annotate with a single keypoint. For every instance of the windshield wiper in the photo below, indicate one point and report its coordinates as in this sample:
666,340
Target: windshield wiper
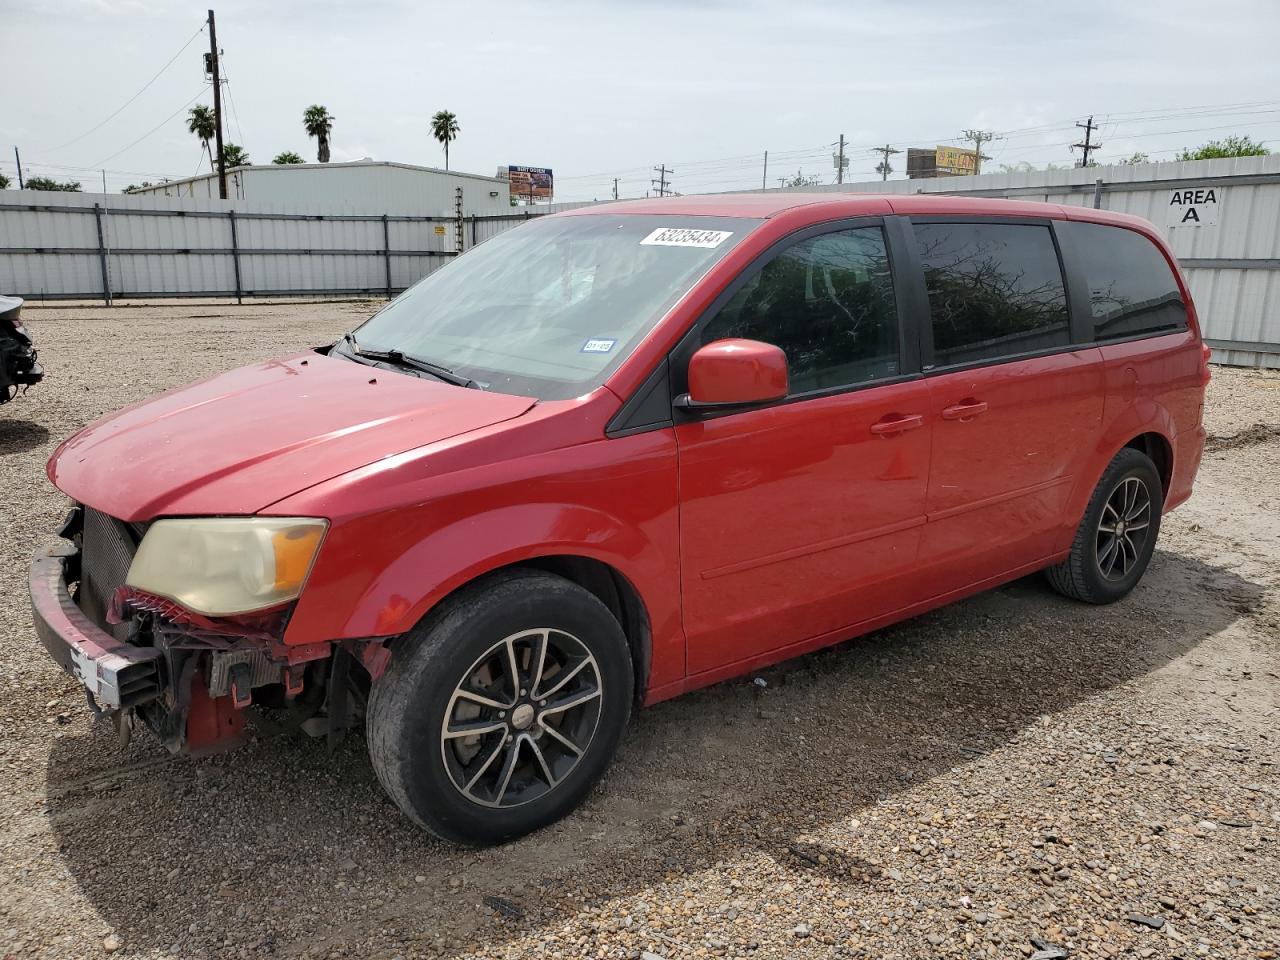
399,358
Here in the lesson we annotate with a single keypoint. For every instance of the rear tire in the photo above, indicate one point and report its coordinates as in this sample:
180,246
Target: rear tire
474,726
1117,535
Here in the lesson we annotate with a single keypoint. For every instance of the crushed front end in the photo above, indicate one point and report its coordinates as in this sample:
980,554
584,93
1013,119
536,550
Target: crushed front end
189,677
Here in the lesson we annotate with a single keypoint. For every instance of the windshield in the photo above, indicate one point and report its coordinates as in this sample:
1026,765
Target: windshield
550,308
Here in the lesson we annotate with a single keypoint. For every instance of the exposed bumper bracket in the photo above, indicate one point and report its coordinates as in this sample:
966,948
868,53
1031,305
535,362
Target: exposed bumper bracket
116,674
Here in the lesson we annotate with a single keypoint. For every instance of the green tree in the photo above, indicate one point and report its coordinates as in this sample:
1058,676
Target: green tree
287,157
800,180
1138,157
444,127
318,123
47,183
135,187
202,122
234,156
1234,146
4,182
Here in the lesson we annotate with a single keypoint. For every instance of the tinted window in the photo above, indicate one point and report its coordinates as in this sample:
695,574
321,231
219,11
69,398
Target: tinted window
1131,288
828,303
995,290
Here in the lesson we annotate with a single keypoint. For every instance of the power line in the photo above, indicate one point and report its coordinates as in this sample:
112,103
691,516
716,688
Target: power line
167,65
111,170
99,164
226,83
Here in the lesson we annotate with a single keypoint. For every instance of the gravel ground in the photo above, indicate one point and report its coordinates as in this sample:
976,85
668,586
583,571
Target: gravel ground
1003,778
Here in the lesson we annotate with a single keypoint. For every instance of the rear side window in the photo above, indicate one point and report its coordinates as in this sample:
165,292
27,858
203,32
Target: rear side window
1132,290
828,303
995,290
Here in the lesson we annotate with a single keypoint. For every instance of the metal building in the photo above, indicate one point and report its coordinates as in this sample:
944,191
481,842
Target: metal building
362,186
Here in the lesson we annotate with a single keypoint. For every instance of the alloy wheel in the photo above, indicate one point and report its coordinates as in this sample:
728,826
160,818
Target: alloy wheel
521,718
1123,528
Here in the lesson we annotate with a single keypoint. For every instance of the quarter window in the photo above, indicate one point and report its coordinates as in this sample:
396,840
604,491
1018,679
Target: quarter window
828,303
1132,290
995,290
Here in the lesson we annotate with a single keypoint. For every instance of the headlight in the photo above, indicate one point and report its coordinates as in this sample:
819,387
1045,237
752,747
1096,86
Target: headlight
222,566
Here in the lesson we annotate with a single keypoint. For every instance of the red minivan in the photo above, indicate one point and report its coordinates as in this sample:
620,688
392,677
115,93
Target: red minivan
617,454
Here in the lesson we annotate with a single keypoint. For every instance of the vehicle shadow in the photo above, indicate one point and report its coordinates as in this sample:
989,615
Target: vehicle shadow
17,436
281,847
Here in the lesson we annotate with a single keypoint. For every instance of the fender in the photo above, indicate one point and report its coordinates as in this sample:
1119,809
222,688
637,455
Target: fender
453,556
1138,415
380,570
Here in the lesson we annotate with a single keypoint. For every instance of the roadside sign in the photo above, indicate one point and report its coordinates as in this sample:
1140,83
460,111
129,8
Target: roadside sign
954,161
1193,207
531,183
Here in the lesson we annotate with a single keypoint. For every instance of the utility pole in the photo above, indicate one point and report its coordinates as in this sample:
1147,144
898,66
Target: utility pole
1087,146
978,138
886,151
840,161
661,183
18,160
764,177
104,181
217,105
615,188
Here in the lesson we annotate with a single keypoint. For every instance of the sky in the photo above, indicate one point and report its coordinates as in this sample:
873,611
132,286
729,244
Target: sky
612,88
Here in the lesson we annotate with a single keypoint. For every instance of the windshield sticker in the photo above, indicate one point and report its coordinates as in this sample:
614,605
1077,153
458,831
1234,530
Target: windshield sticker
598,346
683,237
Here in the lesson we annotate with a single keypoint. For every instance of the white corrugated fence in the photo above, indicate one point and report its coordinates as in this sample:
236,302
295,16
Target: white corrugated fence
71,245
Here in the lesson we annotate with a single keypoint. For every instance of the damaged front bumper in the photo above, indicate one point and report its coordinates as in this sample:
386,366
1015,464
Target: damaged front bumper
118,675
189,678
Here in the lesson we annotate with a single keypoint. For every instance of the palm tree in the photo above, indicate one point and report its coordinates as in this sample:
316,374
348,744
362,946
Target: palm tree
444,127
318,123
287,157
234,156
202,122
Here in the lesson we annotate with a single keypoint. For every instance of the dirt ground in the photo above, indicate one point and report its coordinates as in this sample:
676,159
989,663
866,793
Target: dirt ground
1017,775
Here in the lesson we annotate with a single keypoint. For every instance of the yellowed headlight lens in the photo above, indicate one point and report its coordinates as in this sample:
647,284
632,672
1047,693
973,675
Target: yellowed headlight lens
220,566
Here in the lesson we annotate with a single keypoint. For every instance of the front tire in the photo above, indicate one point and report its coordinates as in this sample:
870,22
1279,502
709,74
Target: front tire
501,710
1117,536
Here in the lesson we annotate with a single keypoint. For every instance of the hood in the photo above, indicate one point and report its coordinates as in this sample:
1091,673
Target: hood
240,441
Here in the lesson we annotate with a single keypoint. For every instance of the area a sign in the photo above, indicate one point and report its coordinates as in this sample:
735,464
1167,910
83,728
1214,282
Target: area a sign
1193,207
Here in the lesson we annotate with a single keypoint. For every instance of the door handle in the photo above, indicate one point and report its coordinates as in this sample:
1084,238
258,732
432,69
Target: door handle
965,410
897,424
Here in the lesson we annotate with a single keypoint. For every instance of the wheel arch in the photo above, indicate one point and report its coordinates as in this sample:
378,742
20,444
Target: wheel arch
1159,450
612,588
598,577
1144,426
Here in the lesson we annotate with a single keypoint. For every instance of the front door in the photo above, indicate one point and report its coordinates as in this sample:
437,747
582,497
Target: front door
804,517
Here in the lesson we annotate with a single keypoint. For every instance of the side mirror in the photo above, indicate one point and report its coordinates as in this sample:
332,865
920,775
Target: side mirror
735,373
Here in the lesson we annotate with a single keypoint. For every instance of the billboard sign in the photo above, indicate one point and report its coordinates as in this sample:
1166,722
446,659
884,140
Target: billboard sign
954,161
530,183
